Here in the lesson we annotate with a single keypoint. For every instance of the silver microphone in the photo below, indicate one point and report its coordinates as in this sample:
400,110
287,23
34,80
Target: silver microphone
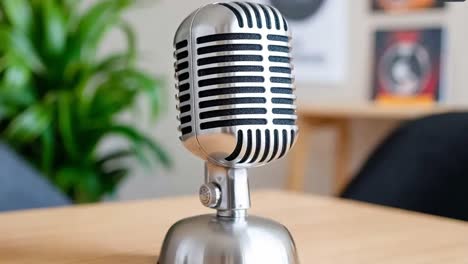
237,110
235,96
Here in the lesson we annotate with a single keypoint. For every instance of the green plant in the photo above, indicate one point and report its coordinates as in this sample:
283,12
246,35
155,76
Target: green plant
59,100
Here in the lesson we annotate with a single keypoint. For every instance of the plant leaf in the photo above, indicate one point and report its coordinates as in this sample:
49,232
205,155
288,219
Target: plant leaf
55,30
65,123
15,90
139,82
16,76
112,179
19,14
81,181
130,36
150,87
124,59
118,154
20,46
112,63
6,111
67,177
110,98
92,27
29,125
141,140
47,157
69,6
118,92
89,189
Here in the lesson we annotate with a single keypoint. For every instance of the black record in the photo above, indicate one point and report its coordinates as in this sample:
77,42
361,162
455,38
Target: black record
404,68
298,9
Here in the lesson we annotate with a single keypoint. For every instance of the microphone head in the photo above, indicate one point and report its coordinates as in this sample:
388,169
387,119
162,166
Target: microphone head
235,95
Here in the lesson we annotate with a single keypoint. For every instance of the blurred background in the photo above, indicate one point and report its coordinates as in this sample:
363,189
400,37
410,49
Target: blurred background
363,69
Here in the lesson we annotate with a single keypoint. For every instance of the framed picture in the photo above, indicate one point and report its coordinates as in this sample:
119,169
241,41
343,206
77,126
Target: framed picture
405,5
320,38
408,66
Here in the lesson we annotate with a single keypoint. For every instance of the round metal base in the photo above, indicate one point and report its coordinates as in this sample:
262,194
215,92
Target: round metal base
208,239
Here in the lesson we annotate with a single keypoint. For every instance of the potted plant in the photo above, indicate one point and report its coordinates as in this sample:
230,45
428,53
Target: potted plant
59,100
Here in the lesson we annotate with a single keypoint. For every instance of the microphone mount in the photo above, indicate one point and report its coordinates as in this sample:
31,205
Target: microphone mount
226,190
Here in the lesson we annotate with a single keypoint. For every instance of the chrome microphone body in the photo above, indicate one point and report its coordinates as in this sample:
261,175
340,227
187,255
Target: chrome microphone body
236,103
235,86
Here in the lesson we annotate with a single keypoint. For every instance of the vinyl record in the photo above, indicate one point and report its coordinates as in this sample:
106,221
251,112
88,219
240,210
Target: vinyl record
404,68
298,9
408,66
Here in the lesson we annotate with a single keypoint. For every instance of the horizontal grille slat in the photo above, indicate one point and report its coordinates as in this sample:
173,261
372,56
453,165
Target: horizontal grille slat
182,55
228,47
280,90
232,79
279,59
184,98
182,77
281,121
181,44
233,122
277,48
227,69
280,70
278,38
232,101
284,111
185,119
186,130
185,108
182,66
227,36
235,111
228,58
231,90
282,101
184,87
280,80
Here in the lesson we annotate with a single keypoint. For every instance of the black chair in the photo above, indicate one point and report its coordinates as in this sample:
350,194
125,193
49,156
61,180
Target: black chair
21,187
422,166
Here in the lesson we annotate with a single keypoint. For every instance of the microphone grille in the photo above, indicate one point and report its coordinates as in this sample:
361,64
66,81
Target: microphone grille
184,96
240,71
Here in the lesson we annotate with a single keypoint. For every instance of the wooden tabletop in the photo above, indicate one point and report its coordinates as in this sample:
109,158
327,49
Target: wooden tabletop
374,111
326,230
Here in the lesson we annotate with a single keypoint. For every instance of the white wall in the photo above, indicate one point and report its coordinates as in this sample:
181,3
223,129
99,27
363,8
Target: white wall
156,23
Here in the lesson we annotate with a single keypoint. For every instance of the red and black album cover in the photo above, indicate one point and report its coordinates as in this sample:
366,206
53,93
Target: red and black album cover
405,5
408,66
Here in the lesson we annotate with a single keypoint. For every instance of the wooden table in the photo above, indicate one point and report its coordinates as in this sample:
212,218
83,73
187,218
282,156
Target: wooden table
326,230
317,116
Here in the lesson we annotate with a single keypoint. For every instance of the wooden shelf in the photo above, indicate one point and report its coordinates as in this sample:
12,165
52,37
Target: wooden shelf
373,111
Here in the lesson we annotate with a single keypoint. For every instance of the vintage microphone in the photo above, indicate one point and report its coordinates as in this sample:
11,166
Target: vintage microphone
237,110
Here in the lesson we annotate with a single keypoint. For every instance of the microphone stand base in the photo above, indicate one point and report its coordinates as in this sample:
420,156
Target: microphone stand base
211,239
